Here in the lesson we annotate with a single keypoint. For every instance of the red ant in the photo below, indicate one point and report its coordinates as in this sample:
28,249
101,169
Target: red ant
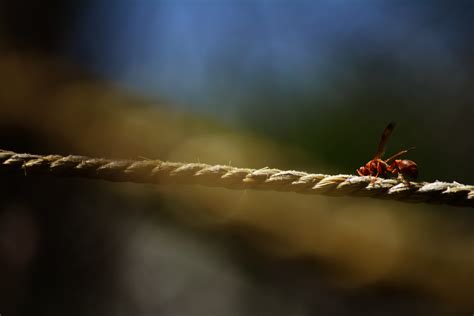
378,167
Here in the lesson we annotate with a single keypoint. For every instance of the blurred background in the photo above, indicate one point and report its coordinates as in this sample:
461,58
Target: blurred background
287,84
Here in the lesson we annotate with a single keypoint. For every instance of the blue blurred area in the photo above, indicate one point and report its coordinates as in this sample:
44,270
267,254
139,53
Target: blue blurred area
212,56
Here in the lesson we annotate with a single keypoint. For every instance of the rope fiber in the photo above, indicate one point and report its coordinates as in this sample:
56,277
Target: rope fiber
164,172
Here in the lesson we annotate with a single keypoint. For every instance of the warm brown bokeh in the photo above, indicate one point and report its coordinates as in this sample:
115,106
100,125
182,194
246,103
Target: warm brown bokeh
48,107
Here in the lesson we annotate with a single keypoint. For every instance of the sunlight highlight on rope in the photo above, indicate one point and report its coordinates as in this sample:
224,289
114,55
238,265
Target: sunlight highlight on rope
164,172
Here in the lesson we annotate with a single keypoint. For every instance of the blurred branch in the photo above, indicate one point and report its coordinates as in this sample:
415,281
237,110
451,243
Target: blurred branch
162,172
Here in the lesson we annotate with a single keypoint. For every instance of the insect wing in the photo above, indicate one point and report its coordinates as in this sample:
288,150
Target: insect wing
384,139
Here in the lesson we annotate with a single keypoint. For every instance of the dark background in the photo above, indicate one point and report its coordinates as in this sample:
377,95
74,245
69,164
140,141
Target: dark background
300,85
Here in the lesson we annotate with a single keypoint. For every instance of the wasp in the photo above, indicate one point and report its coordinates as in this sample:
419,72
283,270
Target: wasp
392,166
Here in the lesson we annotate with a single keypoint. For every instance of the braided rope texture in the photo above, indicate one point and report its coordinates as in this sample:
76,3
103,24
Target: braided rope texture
163,172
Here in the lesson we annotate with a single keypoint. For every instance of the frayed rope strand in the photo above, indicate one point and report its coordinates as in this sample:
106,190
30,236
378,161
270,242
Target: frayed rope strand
164,172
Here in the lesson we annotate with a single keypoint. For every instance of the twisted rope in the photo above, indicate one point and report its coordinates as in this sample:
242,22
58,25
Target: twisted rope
163,172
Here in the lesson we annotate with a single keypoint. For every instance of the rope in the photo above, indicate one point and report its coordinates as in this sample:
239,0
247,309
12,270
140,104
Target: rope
163,172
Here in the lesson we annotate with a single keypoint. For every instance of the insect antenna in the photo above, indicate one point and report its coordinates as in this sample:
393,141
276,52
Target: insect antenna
402,152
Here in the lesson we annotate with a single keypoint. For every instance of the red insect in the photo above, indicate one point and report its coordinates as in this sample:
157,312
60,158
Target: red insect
391,166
